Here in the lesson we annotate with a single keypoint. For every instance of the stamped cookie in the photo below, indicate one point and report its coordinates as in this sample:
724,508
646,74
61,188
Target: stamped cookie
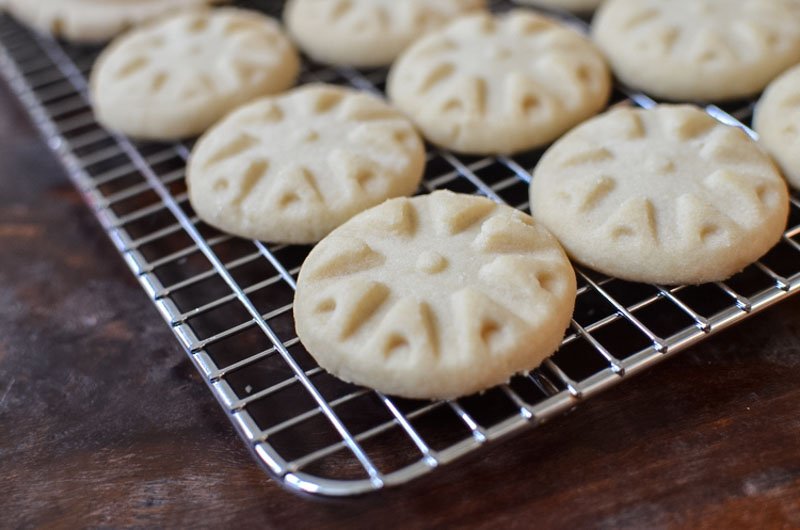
367,33
777,121
699,50
93,20
578,6
434,297
499,84
292,168
667,196
176,77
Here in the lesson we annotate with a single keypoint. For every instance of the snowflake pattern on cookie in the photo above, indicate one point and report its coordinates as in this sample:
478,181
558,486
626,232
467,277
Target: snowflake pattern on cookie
292,168
499,84
667,195
175,78
777,121
437,296
699,50
367,33
94,20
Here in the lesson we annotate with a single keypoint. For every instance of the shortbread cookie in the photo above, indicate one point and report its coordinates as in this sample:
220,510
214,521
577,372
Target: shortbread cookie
699,50
94,20
777,121
177,77
292,168
668,195
367,33
499,84
434,297
578,6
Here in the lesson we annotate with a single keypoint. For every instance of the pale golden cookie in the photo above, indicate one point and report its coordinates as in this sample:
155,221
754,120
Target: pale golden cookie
292,168
434,297
94,20
668,195
367,33
777,121
499,84
699,50
177,77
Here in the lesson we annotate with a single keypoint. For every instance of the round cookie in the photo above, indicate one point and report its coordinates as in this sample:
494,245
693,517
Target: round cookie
434,297
499,84
93,20
578,6
667,196
292,168
777,121
366,33
699,50
176,77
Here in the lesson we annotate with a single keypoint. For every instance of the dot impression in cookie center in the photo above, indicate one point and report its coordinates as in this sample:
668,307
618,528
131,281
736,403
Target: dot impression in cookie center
500,54
431,262
659,163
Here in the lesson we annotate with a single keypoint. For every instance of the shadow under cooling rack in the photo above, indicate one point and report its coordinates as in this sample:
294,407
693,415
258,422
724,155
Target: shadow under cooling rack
228,300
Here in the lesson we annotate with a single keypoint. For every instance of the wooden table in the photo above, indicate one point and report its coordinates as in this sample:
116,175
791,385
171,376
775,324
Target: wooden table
710,439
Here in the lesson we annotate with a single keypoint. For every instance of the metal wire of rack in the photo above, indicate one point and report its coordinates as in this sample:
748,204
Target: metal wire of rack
228,300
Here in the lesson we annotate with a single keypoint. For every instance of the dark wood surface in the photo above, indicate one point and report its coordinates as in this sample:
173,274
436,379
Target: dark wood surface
104,423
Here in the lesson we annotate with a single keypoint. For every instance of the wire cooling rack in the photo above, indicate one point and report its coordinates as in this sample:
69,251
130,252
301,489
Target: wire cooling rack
228,300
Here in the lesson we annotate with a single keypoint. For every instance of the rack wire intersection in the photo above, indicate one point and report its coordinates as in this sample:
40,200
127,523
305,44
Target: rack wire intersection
228,300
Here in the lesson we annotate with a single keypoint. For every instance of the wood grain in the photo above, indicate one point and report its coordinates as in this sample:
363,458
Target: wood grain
103,422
